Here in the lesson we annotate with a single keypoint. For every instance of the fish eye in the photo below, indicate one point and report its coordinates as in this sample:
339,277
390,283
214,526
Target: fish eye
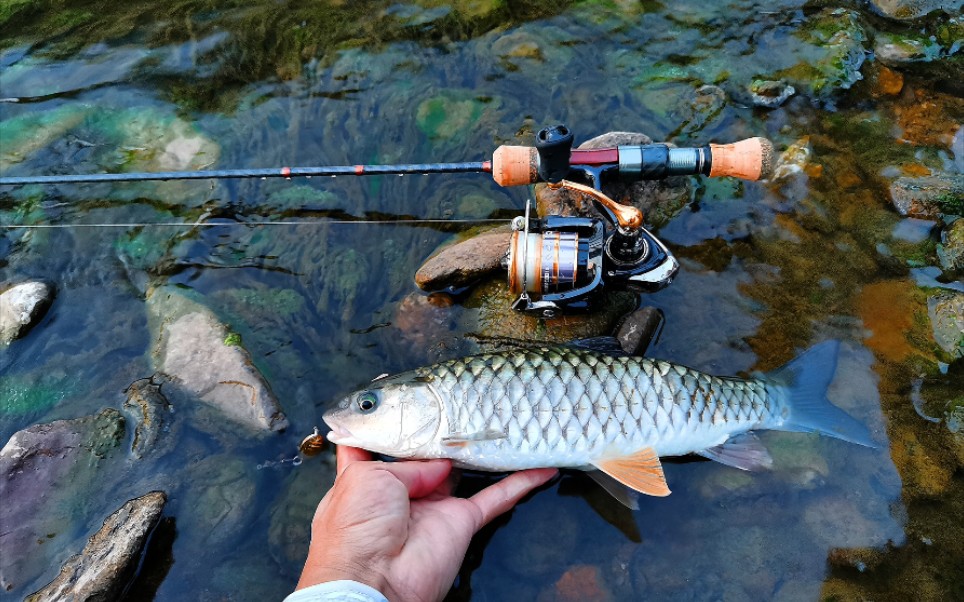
367,402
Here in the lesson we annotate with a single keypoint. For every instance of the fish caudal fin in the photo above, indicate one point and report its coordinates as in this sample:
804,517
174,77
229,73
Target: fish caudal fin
640,472
806,380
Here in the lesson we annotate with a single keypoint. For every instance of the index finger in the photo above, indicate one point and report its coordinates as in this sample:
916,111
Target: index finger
345,455
504,495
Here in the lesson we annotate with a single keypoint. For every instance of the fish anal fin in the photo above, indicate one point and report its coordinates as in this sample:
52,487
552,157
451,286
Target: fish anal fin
641,471
463,439
744,451
626,496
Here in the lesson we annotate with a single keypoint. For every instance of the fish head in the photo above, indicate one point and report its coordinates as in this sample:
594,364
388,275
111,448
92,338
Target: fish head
395,416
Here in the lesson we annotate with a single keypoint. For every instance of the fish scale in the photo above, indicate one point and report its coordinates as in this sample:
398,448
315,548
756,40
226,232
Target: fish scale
600,403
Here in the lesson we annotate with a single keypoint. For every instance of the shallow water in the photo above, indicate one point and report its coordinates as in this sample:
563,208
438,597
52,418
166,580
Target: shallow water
767,271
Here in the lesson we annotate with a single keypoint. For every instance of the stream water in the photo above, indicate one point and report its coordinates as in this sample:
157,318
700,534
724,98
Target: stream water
324,302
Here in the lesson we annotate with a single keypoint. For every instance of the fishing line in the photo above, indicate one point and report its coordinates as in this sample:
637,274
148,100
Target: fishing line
414,222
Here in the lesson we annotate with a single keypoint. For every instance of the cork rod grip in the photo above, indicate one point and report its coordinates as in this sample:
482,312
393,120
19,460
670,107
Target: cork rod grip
515,165
750,159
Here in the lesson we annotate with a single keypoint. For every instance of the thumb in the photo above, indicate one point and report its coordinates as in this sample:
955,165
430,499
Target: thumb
419,477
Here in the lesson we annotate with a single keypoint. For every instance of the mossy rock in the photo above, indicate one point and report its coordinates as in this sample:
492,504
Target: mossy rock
448,115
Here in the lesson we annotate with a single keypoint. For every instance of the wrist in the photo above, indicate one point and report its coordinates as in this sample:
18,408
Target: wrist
339,571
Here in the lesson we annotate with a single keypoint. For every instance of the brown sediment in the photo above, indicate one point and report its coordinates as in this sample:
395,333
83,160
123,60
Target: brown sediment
887,309
927,118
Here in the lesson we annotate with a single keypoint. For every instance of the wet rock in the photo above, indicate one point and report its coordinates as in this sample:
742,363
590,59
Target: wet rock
699,108
465,262
39,466
222,492
660,201
152,415
204,358
929,196
637,330
108,561
290,528
946,310
580,582
426,324
886,82
950,251
840,36
794,160
912,9
896,50
21,306
770,94
498,324
448,114
834,521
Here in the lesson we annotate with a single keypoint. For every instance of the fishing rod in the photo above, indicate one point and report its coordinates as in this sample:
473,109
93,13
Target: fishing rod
557,262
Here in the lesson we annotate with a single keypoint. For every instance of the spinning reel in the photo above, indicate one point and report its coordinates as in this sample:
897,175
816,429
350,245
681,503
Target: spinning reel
557,262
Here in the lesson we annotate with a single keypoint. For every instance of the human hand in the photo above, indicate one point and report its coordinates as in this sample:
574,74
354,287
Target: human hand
395,526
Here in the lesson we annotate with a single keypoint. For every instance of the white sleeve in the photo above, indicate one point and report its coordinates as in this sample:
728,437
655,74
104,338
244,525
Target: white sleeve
337,591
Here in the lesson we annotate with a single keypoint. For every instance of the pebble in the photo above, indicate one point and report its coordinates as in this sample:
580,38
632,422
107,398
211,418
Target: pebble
21,306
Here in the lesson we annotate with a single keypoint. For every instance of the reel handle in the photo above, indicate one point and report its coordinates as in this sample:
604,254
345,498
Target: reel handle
750,159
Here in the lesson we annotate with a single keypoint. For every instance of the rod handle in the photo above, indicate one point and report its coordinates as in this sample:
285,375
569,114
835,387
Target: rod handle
515,165
750,159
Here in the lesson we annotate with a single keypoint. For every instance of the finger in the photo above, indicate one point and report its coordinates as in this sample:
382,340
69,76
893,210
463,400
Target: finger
345,455
420,478
502,496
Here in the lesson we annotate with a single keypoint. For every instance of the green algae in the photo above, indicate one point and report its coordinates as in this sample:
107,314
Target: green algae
24,394
448,115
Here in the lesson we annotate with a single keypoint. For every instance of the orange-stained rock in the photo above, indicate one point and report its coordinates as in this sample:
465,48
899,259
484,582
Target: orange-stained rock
889,82
887,310
579,583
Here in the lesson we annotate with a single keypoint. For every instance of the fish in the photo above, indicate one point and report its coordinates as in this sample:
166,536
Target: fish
609,415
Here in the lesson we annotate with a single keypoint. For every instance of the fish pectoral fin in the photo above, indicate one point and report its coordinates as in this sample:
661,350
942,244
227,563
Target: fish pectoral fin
641,471
626,496
745,452
463,439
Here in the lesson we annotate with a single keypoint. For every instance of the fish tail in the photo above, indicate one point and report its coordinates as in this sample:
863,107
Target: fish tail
806,380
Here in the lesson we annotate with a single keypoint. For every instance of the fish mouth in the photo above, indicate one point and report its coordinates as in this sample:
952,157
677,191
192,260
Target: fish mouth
339,434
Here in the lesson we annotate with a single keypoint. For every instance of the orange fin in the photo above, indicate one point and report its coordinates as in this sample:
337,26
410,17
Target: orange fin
640,472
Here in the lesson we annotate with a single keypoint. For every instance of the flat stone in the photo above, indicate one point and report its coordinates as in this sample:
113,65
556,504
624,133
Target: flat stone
946,311
199,354
928,197
108,561
463,263
912,9
637,330
21,306
770,93
794,160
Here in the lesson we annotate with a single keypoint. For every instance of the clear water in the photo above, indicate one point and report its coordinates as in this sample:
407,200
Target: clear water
324,305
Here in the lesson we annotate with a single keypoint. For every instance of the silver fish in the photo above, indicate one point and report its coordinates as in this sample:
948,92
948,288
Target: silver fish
575,408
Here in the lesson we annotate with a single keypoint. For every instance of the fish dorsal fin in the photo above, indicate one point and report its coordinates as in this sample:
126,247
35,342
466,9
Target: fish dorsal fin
626,496
640,471
745,452
463,439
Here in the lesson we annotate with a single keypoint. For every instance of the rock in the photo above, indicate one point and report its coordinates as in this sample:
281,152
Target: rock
21,306
698,109
770,94
912,9
946,310
465,262
637,330
222,493
448,115
498,324
544,542
896,50
839,35
426,324
794,160
659,200
107,563
290,528
929,196
580,582
204,358
950,251
887,82
39,466
152,418
834,521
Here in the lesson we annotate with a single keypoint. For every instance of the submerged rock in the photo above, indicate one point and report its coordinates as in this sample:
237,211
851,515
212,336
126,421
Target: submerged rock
21,306
770,94
950,251
205,358
929,196
946,310
912,9
43,464
152,417
840,35
793,160
108,561
222,489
